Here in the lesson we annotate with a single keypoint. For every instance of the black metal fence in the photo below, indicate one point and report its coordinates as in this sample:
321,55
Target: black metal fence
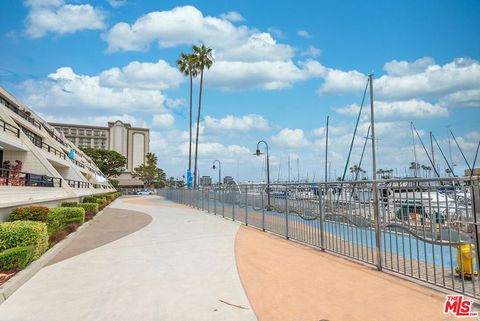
425,229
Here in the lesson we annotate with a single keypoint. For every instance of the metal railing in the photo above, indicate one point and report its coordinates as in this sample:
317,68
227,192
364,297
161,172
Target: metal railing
424,229
77,184
9,177
9,128
53,150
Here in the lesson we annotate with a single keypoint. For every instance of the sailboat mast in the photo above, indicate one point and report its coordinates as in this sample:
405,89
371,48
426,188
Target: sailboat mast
414,151
326,151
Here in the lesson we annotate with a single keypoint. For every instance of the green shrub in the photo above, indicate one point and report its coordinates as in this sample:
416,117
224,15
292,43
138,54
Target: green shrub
24,233
16,258
102,201
69,204
30,213
54,222
90,208
89,199
69,214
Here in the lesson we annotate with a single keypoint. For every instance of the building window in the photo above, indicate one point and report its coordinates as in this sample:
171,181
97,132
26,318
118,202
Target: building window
96,133
73,131
104,133
81,132
36,140
89,132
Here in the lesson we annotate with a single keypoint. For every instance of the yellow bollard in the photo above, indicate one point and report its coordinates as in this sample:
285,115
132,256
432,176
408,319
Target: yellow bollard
466,260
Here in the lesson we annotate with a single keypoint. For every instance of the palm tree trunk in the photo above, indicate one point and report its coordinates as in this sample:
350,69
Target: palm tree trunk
190,127
198,129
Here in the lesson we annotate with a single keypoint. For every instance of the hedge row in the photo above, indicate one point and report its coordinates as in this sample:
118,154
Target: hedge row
21,234
25,237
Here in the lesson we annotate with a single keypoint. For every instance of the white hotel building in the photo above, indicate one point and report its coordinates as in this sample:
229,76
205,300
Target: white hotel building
38,165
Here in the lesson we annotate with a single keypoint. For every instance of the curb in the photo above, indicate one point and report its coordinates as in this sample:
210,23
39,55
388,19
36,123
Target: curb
12,285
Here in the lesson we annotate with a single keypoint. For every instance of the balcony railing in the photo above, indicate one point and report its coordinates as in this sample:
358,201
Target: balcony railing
10,177
25,115
77,184
53,151
9,128
79,164
52,134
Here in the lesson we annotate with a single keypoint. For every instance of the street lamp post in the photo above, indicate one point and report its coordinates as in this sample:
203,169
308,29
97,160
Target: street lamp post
219,171
258,153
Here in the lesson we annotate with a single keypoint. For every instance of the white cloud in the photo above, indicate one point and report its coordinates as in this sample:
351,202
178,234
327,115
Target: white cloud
276,32
341,82
304,34
454,82
407,109
169,28
208,149
116,3
162,121
146,75
291,138
435,82
312,52
232,16
239,124
257,47
396,68
263,74
245,58
462,98
67,92
57,17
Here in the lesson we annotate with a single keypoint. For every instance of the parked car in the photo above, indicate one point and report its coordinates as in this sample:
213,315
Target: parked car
145,192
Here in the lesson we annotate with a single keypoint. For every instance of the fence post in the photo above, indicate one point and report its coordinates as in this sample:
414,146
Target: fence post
321,210
215,201
286,211
263,209
246,205
234,199
208,200
475,191
378,238
223,201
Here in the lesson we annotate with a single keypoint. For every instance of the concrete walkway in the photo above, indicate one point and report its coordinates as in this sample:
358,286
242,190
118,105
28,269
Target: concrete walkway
181,266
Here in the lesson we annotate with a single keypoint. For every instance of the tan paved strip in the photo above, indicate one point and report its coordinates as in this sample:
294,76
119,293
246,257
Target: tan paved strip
112,225
286,281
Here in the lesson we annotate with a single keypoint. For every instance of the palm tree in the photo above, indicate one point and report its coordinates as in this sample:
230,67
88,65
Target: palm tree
204,59
415,167
187,66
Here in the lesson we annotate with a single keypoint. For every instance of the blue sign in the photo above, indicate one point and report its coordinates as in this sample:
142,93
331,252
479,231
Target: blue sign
189,179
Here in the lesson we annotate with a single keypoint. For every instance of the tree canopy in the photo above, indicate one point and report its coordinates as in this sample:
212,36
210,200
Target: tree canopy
110,162
149,173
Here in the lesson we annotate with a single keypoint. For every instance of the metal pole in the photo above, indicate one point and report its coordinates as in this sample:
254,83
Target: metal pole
376,211
268,181
320,208
326,151
246,205
414,151
431,147
286,212
289,168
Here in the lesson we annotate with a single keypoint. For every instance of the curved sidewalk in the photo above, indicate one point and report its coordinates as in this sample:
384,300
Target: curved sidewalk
179,266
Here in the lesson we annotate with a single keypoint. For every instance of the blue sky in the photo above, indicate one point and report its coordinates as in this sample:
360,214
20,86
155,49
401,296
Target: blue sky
280,70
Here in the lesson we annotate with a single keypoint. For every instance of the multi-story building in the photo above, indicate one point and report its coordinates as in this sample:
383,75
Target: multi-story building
131,142
37,164
228,180
205,181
